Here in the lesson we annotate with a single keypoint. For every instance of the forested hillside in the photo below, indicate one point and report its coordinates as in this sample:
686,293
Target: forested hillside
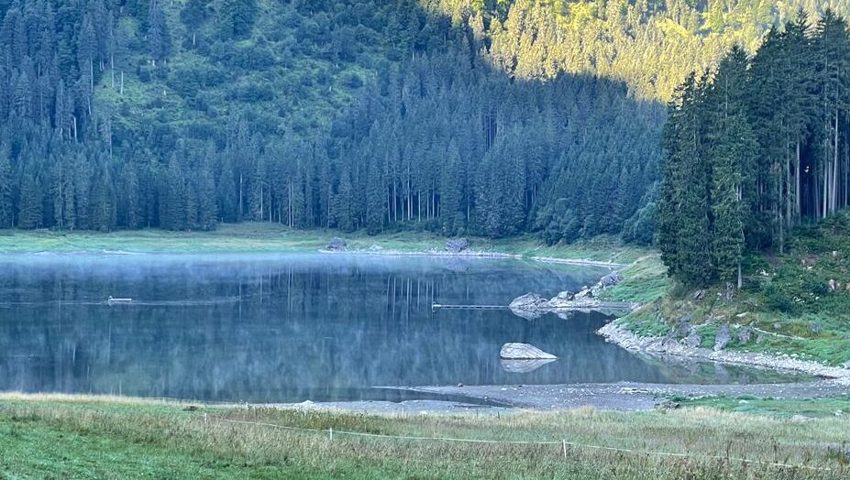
755,149
491,117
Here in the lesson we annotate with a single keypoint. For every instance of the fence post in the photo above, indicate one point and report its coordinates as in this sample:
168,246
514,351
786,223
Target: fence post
331,433
564,443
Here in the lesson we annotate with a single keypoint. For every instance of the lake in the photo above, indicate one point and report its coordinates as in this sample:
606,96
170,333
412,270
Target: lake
288,328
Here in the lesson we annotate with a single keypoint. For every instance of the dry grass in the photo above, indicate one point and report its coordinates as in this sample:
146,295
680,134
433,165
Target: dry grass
713,443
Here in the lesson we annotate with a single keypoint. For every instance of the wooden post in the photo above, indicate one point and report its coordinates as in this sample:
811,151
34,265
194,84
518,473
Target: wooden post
331,433
564,443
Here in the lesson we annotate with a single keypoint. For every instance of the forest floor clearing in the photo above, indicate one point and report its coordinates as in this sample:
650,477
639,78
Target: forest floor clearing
50,436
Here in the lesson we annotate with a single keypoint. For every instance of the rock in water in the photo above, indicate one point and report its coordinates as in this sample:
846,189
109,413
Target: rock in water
457,245
584,294
611,279
724,336
524,366
337,244
529,301
524,351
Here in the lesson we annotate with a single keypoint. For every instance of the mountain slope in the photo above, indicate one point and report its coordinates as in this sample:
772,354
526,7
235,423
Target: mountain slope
525,115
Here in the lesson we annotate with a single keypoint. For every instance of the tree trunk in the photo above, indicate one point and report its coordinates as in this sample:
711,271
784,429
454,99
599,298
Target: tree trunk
798,199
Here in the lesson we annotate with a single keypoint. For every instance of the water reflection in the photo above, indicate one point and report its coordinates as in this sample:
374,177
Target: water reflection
289,328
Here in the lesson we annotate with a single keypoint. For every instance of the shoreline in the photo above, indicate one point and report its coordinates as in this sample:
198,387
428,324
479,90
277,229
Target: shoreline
628,340
495,399
579,262
475,254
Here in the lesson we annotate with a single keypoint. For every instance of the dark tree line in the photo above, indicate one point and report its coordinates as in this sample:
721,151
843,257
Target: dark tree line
753,150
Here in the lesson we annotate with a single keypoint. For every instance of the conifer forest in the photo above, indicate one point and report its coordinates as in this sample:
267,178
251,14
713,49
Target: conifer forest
462,117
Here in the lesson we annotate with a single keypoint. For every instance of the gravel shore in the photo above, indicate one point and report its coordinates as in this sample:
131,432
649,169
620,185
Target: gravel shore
663,346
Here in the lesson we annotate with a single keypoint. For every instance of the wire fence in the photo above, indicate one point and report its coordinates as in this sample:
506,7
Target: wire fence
563,444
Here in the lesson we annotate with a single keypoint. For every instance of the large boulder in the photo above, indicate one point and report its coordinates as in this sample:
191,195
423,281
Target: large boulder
564,299
457,245
611,279
565,296
745,334
693,340
529,301
585,294
523,351
723,337
337,244
524,366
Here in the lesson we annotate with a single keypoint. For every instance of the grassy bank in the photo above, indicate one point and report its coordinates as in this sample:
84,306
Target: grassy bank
52,437
795,304
797,409
264,237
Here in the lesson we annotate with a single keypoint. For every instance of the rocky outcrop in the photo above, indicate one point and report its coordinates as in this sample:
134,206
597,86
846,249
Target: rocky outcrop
337,245
523,351
745,334
723,337
529,302
532,306
613,278
457,245
571,301
565,296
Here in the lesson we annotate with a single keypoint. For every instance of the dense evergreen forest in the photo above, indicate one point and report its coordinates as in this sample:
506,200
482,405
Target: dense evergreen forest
491,117
756,148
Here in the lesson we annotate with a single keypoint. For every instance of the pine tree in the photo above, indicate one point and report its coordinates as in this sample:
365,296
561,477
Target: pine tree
734,150
30,209
450,191
159,35
6,207
376,205
206,217
238,16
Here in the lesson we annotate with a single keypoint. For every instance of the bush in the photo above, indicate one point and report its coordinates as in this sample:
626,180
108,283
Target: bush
352,80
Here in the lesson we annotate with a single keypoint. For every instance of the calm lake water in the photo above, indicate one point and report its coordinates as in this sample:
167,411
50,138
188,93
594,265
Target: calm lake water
283,328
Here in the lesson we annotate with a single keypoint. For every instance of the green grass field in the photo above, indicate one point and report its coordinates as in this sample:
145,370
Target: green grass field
56,437
264,237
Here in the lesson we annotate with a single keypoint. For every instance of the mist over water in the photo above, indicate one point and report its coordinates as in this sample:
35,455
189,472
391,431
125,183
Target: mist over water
283,328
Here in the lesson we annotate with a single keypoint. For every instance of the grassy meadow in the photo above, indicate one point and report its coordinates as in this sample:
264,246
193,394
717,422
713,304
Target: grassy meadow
63,437
264,237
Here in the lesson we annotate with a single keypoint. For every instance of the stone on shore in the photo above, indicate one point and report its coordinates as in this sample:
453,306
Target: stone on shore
524,351
457,245
337,244
693,340
565,296
585,294
611,279
529,301
724,336
745,335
